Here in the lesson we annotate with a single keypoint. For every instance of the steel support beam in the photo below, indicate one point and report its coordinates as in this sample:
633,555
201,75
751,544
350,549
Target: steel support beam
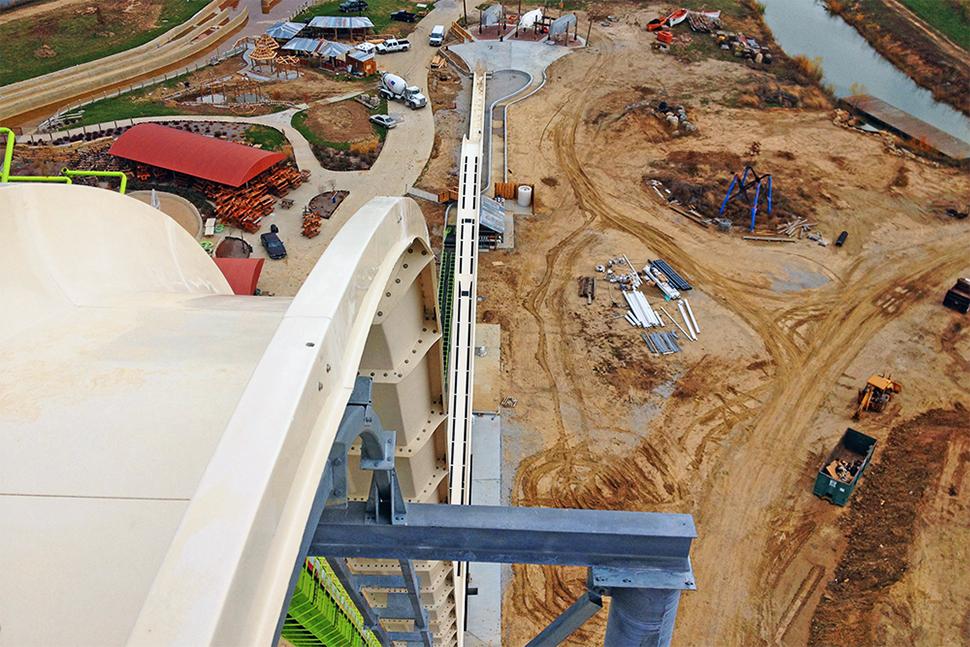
414,594
346,579
646,541
641,617
568,621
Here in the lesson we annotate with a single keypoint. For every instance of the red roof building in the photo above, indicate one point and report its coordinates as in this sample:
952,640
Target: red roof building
202,157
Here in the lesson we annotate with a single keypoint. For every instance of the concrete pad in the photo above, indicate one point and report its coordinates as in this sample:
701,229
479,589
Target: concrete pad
532,58
486,397
485,609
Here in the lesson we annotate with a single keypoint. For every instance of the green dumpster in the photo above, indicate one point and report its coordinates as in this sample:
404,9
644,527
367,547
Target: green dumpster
842,470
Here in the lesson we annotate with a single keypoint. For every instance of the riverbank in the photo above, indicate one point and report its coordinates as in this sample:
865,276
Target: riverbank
798,78
928,58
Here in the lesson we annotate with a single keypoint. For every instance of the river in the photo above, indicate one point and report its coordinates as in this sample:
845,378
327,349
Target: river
851,66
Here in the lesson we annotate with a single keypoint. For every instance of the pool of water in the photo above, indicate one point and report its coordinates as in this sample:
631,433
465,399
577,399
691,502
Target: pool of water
851,66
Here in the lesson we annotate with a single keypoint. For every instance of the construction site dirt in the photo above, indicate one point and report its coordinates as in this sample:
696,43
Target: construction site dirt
734,428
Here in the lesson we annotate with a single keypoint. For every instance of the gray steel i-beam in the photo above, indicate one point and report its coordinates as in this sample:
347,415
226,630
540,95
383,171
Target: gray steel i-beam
414,595
640,559
655,544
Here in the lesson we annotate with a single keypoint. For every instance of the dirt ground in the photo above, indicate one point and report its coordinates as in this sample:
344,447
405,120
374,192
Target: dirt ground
35,8
733,429
449,100
907,526
312,85
346,121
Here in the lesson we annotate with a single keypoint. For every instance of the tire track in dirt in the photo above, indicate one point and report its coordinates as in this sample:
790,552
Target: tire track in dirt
819,335
810,345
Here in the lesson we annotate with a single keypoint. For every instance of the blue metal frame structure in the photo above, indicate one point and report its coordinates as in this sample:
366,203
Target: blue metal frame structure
739,187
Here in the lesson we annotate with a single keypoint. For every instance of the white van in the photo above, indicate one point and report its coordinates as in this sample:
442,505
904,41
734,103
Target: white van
437,36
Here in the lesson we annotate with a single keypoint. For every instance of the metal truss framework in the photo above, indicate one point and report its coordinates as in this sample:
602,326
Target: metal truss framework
739,188
641,560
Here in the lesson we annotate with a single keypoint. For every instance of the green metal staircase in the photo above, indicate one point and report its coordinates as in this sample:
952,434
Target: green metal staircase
446,294
321,613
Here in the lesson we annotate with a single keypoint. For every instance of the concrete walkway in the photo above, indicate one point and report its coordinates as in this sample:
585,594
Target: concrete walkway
507,61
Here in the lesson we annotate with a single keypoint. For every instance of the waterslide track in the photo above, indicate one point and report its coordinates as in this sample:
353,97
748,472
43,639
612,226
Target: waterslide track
210,485
461,363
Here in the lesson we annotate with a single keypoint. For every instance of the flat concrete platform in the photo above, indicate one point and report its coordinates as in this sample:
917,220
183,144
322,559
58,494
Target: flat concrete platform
908,125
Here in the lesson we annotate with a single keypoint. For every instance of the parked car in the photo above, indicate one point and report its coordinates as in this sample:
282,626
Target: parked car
274,246
404,16
384,120
394,45
353,5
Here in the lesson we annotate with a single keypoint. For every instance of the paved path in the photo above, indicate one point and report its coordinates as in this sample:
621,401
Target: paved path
404,155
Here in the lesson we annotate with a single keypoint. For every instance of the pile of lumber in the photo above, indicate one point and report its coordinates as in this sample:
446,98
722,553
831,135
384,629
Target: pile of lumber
794,228
246,206
311,224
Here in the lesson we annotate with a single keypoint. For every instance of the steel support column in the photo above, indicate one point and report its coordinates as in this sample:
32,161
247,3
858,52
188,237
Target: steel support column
641,617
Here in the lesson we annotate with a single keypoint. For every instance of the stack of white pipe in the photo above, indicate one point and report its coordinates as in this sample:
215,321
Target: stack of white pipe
688,321
693,321
641,314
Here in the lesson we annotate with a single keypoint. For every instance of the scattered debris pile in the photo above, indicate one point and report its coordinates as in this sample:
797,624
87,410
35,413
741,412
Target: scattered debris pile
704,22
675,117
659,274
744,47
675,204
772,94
795,228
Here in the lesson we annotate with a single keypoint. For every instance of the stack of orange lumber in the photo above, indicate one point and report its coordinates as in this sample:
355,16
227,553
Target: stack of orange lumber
311,224
246,206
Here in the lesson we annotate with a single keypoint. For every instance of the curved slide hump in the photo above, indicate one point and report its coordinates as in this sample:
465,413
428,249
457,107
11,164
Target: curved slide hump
169,437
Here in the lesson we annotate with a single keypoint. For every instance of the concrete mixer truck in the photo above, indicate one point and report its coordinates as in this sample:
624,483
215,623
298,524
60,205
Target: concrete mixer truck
394,87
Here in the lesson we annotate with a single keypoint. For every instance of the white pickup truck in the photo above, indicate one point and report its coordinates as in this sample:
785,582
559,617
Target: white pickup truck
394,45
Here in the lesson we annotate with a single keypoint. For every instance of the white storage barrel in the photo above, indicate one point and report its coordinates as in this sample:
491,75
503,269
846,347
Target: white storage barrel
524,195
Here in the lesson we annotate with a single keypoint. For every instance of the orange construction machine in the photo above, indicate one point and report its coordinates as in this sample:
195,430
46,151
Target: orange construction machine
877,392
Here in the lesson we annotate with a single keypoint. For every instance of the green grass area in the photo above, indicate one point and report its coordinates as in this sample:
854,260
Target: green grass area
945,16
128,106
265,137
379,12
124,106
78,37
